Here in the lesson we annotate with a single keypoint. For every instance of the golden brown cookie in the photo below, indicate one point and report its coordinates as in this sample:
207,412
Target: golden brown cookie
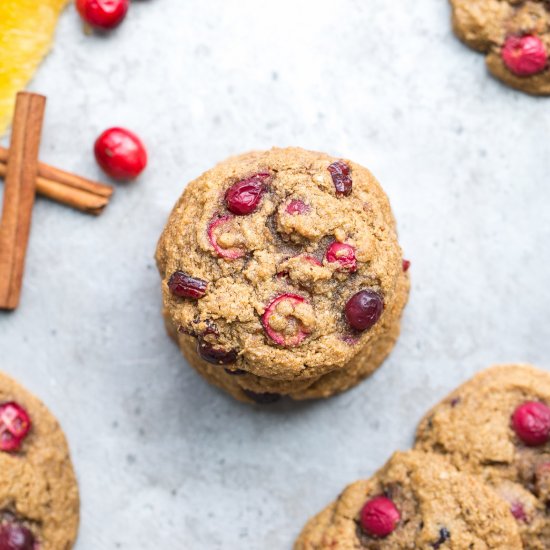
497,426
514,35
417,500
39,502
282,267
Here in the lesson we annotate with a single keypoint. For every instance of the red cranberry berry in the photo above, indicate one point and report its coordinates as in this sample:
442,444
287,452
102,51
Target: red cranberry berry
280,323
215,355
181,284
406,265
379,517
364,309
297,207
262,398
341,177
14,426
120,153
518,511
15,537
244,196
220,233
525,55
344,255
103,14
531,422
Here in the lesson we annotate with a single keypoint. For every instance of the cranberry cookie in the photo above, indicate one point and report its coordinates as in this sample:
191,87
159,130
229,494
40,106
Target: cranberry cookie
514,35
39,503
417,500
497,425
282,275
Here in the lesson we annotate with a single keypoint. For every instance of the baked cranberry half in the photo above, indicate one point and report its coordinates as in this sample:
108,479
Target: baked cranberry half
531,422
280,322
364,309
14,426
379,517
341,177
406,265
222,236
185,286
244,196
215,355
297,207
15,537
525,55
342,254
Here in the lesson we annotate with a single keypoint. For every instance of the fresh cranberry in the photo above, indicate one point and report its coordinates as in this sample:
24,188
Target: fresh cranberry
215,355
244,196
262,398
531,422
297,207
186,286
103,14
518,511
15,537
14,426
344,255
120,153
406,265
379,517
525,55
294,332
218,227
364,309
341,177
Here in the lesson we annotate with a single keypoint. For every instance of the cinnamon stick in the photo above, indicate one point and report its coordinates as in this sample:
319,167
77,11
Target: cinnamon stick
19,194
66,188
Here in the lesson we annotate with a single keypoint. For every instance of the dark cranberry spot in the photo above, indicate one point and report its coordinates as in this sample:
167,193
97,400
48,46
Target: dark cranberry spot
235,372
364,309
531,422
14,426
444,536
244,196
215,355
262,398
181,284
15,537
525,55
344,255
455,401
297,207
341,177
406,265
379,517
518,511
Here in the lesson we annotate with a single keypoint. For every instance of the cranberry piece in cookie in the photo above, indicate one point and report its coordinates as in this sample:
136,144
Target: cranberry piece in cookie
344,255
341,177
15,537
531,422
185,286
406,265
364,309
525,55
215,355
14,426
243,197
285,322
262,398
224,238
379,517
297,207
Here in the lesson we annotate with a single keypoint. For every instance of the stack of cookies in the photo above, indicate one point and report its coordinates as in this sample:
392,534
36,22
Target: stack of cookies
479,476
282,275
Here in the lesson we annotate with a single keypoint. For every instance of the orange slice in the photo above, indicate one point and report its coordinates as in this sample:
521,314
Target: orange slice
26,34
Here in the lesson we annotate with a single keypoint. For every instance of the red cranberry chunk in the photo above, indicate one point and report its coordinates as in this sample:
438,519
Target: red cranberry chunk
280,322
525,55
215,355
518,511
344,255
379,517
224,239
406,265
341,177
364,309
531,422
181,284
14,426
297,207
15,537
262,398
244,196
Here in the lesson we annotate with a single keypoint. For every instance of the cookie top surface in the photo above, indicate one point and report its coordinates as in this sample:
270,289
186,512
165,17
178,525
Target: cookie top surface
515,35
497,425
39,502
417,500
297,259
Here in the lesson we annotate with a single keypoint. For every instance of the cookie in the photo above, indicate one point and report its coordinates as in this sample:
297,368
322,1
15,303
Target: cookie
39,502
515,36
417,500
497,426
280,268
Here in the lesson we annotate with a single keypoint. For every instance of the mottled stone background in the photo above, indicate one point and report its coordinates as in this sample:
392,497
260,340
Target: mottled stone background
165,461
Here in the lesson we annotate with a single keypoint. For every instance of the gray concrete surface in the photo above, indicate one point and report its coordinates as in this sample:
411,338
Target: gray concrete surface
165,461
